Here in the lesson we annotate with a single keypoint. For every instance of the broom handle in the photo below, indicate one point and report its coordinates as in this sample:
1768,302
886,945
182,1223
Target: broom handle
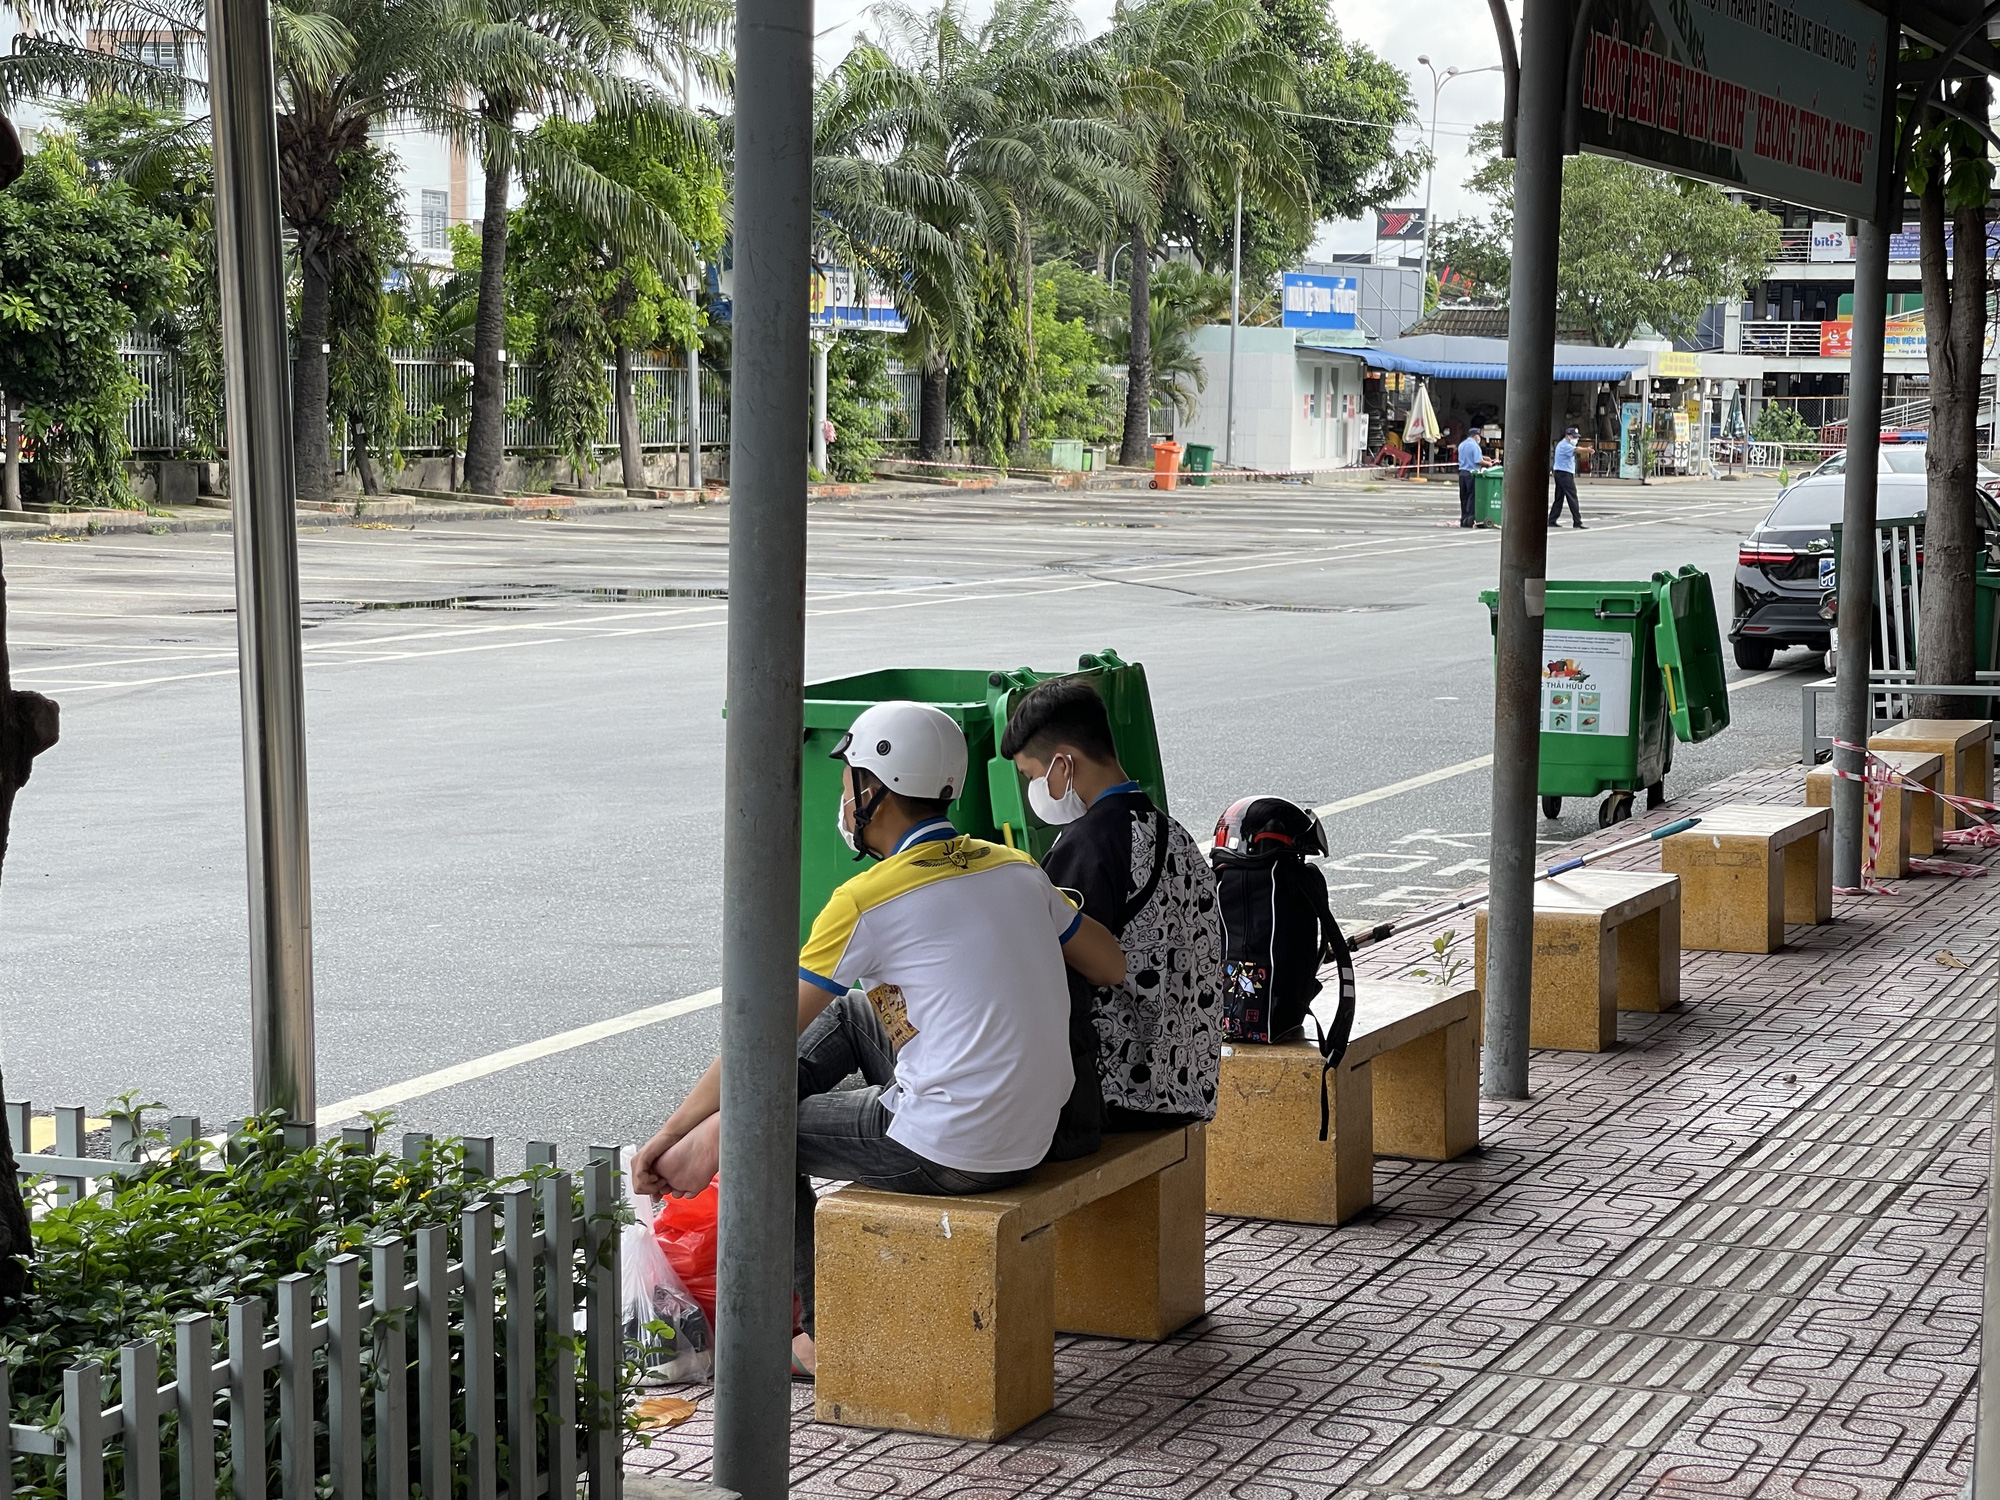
1387,930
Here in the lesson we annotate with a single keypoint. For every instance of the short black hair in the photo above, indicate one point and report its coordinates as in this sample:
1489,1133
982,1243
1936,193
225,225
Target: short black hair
1065,710
916,807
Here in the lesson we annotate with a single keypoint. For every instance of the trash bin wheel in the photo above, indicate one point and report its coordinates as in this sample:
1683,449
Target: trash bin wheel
1656,795
1552,807
1615,808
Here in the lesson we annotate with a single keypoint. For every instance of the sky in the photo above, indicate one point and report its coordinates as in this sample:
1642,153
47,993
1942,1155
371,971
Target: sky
1452,33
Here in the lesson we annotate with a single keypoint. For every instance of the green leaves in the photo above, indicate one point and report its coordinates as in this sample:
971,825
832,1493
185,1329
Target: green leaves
1637,248
81,263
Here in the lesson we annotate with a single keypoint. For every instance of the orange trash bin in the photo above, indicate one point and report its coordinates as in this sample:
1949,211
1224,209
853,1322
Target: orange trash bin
1166,466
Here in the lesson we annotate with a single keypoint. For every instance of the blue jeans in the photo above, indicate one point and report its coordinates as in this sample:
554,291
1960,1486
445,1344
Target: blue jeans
844,1133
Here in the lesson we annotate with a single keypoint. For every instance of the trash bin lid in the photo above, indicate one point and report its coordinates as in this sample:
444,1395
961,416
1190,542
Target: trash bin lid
1688,641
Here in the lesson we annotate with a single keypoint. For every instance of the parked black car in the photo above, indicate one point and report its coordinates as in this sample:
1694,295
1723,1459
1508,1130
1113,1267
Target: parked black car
1786,564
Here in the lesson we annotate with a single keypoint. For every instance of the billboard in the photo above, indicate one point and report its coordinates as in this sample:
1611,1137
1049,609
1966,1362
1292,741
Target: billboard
840,300
1781,98
1321,301
1902,337
1399,224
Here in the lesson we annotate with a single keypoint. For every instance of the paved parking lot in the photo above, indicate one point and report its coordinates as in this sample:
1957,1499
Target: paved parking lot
515,736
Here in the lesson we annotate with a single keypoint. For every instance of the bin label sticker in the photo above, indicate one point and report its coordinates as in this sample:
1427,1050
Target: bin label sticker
1586,682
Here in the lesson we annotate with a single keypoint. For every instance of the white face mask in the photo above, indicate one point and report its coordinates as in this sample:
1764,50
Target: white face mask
1052,809
847,835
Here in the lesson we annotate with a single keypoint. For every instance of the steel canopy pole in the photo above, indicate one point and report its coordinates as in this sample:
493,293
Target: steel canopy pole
257,385
1856,600
765,685
1524,545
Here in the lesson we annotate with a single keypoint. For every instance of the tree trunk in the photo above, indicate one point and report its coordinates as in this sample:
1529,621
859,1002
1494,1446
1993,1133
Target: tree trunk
486,437
1955,334
1034,390
630,459
312,443
29,724
934,410
1136,450
363,464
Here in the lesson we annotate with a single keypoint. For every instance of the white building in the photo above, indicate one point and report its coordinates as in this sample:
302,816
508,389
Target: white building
1298,407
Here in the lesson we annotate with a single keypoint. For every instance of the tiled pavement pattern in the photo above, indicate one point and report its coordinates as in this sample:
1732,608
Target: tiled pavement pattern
1737,1256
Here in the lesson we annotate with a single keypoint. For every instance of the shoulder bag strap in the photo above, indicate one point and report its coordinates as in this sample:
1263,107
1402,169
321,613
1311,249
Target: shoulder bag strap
1138,902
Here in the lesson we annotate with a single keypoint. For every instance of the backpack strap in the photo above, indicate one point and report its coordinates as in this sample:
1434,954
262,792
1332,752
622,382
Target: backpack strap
1332,1039
1138,902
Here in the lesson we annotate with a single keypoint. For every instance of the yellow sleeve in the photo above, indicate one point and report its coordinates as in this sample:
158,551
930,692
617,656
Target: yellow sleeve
829,943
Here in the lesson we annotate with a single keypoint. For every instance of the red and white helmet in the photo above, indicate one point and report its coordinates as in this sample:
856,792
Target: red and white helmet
1268,825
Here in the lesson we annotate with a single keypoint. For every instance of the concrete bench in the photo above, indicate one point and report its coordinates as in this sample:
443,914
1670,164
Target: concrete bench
1967,748
1909,815
1605,941
939,1314
1408,1085
1747,870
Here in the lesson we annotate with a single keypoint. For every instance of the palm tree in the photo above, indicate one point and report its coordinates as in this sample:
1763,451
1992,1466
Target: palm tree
1021,109
1201,93
887,205
540,58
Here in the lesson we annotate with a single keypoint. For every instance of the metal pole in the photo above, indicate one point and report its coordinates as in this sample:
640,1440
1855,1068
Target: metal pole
1235,315
1985,1483
257,386
765,684
1524,546
10,476
1430,173
694,413
819,348
1851,713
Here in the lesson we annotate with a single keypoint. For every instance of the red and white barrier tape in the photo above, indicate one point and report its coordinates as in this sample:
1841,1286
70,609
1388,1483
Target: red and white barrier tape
1875,775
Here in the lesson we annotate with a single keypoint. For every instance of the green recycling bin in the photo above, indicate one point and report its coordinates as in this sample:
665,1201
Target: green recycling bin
994,804
1486,496
1199,459
1066,453
1627,668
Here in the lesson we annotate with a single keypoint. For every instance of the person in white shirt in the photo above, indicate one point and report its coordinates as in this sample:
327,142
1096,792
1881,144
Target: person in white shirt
938,975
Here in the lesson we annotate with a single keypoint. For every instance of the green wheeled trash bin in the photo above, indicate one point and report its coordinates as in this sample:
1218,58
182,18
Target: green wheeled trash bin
1627,668
1486,486
1200,460
994,804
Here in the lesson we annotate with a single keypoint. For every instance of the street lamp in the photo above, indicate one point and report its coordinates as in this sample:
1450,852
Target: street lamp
1438,81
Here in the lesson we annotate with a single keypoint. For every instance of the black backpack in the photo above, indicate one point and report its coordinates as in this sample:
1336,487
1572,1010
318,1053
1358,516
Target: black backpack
1277,930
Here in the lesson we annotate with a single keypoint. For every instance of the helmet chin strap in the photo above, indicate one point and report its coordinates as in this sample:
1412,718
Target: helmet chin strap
863,811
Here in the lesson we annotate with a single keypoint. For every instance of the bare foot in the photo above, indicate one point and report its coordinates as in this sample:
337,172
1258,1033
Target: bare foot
690,1164
803,1355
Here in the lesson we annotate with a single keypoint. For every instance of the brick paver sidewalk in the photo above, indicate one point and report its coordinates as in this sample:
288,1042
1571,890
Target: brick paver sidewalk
1739,1255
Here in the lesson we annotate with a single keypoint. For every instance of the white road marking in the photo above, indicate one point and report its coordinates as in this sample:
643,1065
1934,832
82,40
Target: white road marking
513,1057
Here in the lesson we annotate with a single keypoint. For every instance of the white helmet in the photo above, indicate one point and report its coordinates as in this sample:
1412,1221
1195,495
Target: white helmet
916,750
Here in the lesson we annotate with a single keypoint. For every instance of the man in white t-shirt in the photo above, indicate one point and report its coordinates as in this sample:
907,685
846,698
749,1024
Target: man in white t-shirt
938,974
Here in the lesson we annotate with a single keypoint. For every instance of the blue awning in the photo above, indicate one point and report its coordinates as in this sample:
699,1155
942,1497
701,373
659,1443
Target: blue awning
1441,369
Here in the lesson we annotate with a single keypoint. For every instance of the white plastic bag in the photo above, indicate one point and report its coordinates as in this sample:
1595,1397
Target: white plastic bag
664,1325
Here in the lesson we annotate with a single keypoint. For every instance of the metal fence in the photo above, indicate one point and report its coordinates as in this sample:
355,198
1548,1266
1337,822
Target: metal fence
519,1418
436,395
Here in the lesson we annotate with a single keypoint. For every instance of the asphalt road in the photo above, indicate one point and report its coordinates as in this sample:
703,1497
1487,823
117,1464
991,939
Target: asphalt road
516,741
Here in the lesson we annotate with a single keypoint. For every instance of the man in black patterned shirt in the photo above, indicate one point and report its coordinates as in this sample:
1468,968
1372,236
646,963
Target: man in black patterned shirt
1145,1051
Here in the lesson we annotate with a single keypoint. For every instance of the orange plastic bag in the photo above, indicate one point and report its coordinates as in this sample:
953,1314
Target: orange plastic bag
686,1230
